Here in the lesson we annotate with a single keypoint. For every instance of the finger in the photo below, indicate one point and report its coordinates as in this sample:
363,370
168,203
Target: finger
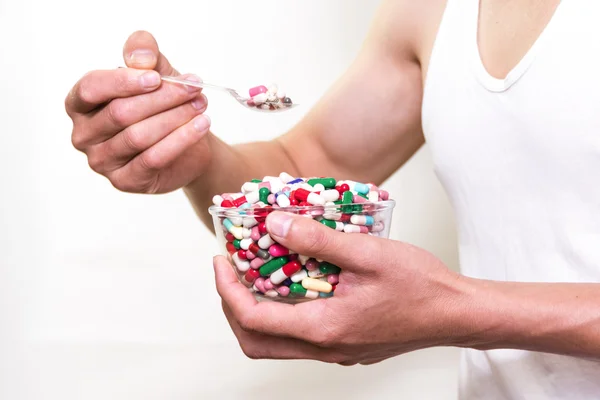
141,51
373,361
143,170
306,236
122,113
99,87
117,151
298,321
261,346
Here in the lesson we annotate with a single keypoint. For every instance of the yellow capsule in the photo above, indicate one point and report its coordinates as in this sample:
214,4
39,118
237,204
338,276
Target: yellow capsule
316,285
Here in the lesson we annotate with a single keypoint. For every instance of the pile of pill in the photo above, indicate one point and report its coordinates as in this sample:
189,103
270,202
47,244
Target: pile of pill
267,267
268,98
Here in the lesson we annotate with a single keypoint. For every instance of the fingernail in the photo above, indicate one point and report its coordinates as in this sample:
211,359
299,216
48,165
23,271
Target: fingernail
193,78
202,123
199,104
142,58
150,80
279,224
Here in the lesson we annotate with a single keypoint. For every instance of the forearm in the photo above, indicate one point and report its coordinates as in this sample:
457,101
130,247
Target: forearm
559,318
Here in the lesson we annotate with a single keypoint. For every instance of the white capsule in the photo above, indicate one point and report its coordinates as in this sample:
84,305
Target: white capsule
298,276
252,197
312,294
271,97
242,265
283,201
278,276
273,88
237,232
217,200
259,98
319,187
245,243
249,222
330,195
303,259
276,186
265,242
271,293
373,196
377,227
246,233
236,195
315,199
349,228
285,177
249,187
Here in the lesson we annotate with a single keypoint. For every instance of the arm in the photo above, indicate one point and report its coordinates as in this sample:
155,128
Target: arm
375,107
560,318
394,298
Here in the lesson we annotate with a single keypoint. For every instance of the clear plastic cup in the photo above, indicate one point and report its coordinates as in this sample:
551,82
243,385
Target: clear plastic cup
236,232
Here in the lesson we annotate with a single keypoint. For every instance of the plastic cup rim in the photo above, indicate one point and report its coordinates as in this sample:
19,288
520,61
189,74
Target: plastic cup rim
384,205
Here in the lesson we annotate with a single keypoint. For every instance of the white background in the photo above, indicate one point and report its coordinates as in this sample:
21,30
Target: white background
108,295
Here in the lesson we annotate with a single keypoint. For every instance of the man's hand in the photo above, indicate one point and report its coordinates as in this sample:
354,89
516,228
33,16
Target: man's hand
143,135
392,298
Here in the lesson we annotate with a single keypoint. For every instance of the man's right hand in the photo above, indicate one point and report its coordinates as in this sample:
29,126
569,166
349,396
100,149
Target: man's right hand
143,135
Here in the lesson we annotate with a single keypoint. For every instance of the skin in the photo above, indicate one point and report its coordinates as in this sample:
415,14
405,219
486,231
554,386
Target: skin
146,140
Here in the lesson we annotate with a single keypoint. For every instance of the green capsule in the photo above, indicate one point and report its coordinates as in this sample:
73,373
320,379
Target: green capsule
272,266
347,198
328,268
363,196
357,208
236,244
263,194
329,223
256,181
329,183
296,289
337,202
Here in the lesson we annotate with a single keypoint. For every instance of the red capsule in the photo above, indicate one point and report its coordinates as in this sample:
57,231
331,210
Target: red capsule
229,237
333,287
342,188
345,218
251,276
291,268
301,194
262,228
242,254
239,201
227,204
230,248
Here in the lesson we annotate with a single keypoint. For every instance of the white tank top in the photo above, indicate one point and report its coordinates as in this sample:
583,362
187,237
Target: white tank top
520,160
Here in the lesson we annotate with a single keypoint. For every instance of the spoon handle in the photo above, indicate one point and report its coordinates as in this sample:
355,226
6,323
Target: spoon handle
181,81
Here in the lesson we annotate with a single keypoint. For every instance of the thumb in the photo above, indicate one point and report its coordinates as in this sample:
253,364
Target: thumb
306,236
141,52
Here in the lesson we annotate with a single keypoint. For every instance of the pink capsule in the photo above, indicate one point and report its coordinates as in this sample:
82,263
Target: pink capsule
283,291
349,228
312,264
268,284
250,102
250,255
359,199
257,263
255,234
260,284
333,279
384,195
227,196
377,227
278,250
257,90
271,198
264,184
